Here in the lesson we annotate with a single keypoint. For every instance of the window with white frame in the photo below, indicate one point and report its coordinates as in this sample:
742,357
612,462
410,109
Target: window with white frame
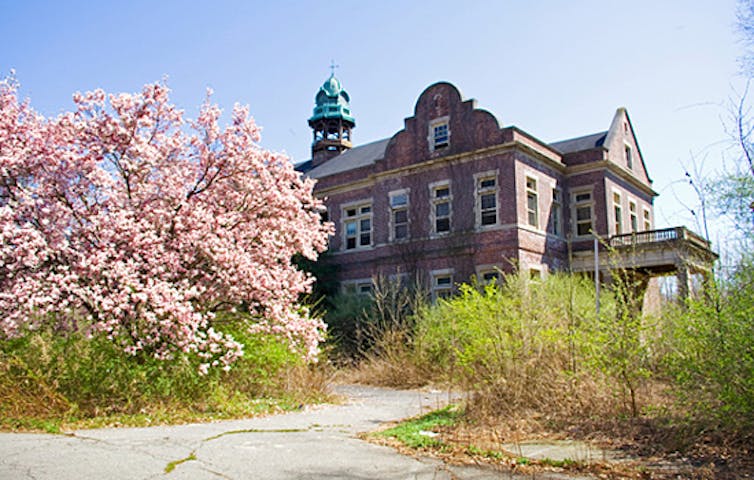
489,276
629,157
442,283
486,201
532,202
556,213
617,214
439,133
361,287
582,209
633,218
357,226
441,198
647,221
399,215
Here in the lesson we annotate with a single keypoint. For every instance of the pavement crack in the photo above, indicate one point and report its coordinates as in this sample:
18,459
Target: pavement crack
311,428
171,465
216,473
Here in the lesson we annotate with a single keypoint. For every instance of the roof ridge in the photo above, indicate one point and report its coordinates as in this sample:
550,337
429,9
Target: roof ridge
603,132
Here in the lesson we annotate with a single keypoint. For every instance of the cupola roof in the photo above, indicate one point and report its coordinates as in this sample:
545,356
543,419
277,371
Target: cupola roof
332,102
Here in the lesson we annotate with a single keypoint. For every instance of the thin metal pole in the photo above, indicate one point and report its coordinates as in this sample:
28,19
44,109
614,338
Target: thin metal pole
597,275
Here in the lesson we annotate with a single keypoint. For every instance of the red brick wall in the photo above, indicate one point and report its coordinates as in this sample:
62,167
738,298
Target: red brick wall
409,163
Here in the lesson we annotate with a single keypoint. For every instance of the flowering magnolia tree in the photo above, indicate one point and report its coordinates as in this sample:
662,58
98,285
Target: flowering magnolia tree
125,219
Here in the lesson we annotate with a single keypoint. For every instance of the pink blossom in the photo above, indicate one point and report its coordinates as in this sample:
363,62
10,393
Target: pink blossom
124,217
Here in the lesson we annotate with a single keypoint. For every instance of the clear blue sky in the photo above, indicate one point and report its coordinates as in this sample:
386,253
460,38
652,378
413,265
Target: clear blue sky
556,69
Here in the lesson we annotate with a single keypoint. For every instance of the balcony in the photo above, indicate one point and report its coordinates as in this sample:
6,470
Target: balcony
670,251
659,252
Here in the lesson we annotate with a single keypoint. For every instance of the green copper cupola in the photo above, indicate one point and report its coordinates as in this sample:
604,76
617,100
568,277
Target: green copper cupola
331,121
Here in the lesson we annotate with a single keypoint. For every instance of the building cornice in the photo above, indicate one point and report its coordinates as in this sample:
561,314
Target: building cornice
456,159
613,168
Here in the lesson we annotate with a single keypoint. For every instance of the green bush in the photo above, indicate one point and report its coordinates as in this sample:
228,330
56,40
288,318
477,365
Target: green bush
515,344
54,374
357,323
538,344
712,356
348,323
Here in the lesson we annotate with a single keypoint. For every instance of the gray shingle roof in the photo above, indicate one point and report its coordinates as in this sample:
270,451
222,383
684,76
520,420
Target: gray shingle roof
580,143
356,157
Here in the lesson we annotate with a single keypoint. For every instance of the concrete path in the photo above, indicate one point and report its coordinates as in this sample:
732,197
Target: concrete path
317,443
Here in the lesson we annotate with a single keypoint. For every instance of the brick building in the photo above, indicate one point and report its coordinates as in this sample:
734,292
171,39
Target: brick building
454,194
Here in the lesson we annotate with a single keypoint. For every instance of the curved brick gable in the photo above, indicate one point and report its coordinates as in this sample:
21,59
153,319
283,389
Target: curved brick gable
470,128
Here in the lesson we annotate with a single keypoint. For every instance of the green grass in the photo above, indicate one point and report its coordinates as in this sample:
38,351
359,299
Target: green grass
55,383
565,463
411,432
475,451
171,466
156,415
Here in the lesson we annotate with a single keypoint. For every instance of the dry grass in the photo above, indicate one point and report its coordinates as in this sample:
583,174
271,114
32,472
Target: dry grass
390,363
654,445
26,394
50,383
541,403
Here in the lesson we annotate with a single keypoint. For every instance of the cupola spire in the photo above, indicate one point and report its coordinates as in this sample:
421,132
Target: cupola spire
331,121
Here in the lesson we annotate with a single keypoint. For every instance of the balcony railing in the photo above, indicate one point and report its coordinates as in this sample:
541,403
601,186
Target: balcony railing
665,235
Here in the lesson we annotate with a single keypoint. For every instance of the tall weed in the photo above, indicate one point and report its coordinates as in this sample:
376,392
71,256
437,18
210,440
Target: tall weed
523,344
712,352
53,374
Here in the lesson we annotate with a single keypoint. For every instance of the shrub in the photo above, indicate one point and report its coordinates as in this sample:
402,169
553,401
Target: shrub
538,344
358,323
712,357
47,374
518,345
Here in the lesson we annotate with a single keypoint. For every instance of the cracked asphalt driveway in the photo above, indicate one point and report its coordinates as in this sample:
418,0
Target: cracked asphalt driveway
318,442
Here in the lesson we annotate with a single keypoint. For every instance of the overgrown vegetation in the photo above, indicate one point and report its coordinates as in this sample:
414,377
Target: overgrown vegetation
533,346
711,361
50,379
359,324
537,358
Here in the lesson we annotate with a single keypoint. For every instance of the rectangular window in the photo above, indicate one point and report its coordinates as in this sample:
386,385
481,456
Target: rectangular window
629,159
532,202
361,287
399,214
583,213
439,133
555,213
583,197
486,190
490,277
442,284
647,221
633,217
617,214
441,207
357,226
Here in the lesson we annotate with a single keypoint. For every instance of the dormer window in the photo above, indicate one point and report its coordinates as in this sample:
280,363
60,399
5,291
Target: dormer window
439,134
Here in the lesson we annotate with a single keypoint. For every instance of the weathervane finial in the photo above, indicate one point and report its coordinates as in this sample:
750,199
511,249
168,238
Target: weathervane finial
333,66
